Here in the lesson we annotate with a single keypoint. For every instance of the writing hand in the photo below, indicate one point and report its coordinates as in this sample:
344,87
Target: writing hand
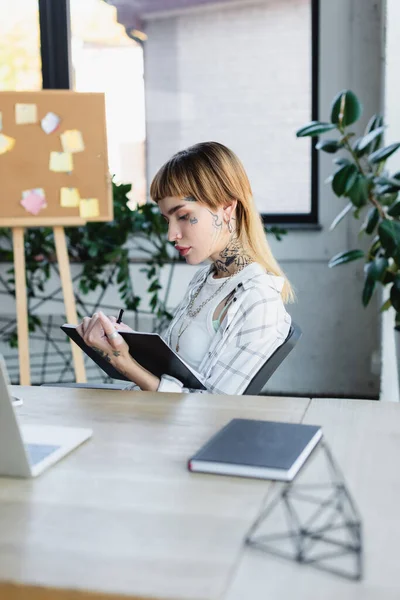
99,332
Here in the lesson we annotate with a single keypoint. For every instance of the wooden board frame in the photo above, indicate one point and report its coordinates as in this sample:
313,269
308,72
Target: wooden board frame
26,165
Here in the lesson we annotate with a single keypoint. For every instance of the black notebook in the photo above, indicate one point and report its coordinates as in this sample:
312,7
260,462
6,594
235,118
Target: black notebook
149,350
262,449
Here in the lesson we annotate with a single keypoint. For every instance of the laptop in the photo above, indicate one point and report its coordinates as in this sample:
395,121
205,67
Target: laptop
27,450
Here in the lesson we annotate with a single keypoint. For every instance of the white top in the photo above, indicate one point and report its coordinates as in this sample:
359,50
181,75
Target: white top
255,325
196,339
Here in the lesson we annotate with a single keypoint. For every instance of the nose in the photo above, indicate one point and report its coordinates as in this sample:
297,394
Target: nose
173,232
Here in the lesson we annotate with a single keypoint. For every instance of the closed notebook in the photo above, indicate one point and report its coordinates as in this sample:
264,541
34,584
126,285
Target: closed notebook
261,449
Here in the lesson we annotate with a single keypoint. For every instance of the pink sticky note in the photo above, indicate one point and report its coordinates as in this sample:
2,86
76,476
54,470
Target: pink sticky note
33,203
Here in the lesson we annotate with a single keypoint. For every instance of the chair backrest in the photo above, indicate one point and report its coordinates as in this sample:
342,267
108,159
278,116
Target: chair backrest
269,367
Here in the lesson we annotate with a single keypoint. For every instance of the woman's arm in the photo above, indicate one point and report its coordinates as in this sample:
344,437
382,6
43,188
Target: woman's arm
99,333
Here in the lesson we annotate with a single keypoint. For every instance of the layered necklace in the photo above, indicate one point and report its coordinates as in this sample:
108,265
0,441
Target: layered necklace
193,313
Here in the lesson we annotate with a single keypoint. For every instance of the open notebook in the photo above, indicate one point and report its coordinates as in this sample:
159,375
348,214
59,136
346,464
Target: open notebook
149,350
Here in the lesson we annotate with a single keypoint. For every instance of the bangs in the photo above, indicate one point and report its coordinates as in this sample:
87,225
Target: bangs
182,177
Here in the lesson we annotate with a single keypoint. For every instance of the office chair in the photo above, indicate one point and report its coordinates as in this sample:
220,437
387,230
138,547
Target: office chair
269,367
255,386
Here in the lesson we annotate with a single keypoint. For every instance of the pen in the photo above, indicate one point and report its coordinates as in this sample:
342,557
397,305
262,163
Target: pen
121,312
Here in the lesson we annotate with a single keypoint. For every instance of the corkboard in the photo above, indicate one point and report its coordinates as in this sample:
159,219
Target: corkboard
26,165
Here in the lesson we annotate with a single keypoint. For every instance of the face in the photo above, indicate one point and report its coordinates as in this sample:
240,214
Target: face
198,232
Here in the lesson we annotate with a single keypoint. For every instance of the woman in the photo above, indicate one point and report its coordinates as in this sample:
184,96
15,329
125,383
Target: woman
232,317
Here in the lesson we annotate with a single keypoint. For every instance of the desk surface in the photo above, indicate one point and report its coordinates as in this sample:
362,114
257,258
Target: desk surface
122,517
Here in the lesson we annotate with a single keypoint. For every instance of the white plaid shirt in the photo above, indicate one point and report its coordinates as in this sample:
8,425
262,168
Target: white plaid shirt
255,325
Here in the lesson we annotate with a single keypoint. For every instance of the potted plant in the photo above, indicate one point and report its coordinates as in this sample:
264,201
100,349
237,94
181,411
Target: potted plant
372,192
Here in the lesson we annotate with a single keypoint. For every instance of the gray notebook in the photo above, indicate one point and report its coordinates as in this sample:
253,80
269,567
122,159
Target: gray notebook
262,449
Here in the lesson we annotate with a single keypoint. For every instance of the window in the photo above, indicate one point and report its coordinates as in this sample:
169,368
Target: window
20,65
105,59
243,73
239,73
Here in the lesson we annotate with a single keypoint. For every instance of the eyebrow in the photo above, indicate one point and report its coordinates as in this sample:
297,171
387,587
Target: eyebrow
175,208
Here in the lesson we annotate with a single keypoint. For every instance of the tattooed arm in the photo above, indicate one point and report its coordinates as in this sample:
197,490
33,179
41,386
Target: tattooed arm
97,332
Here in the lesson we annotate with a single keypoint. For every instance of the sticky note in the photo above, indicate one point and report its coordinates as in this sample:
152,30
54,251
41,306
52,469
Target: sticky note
7,143
61,162
69,197
72,141
33,202
25,114
88,208
50,122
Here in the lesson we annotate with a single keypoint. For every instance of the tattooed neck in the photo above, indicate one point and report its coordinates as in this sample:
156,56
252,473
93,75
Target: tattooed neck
233,258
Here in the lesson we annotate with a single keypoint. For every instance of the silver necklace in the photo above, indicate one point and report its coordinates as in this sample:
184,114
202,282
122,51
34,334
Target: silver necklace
193,313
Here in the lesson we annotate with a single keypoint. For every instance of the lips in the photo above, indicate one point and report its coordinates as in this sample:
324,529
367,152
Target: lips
183,250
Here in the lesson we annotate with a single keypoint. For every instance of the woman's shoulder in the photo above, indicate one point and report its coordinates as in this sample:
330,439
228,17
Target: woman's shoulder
262,283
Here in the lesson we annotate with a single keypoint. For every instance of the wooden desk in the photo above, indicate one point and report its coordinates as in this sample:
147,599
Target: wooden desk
122,517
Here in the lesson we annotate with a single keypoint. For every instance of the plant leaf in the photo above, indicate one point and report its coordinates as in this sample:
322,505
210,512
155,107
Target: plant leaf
386,305
345,257
329,146
340,216
314,128
358,192
394,210
383,153
374,122
341,161
376,269
346,108
372,220
344,179
365,142
368,290
389,234
395,294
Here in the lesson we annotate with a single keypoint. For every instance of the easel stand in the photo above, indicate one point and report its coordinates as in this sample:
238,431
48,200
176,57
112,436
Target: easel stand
313,523
22,305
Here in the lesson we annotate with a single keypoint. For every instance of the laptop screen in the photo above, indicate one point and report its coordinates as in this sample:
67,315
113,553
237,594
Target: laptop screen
37,452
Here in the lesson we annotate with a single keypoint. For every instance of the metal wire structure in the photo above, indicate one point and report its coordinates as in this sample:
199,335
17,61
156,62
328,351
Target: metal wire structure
313,523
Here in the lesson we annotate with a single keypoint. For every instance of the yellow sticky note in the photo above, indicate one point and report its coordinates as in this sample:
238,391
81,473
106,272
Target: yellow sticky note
89,208
61,162
72,141
7,143
69,197
25,113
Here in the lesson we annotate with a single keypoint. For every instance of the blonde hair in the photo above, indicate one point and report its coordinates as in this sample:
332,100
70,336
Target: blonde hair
214,175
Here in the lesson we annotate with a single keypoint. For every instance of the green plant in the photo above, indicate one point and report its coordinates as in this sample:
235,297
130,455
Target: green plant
371,190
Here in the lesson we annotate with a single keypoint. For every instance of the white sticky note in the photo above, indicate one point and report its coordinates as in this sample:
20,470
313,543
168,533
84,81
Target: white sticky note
72,141
50,122
88,208
69,197
25,114
7,143
61,162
